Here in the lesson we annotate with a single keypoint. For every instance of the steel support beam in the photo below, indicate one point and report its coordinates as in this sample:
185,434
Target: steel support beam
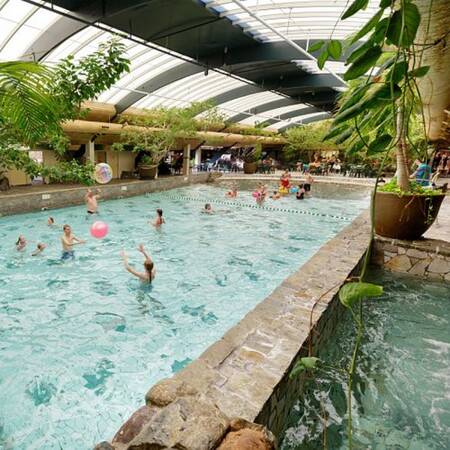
316,118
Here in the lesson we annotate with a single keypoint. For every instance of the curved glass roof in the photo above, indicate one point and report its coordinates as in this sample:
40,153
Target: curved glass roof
158,77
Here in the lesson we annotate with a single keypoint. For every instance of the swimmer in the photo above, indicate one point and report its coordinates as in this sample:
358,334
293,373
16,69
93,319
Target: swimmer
275,196
149,266
208,209
68,240
300,194
233,193
91,200
21,243
309,180
51,222
39,249
159,219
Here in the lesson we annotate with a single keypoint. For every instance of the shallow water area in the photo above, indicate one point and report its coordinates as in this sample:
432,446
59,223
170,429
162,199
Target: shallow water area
82,341
401,391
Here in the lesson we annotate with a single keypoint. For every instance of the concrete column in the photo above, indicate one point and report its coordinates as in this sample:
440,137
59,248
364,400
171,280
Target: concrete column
90,152
198,156
186,157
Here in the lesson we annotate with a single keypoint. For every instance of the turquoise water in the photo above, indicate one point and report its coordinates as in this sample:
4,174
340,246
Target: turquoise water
82,341
402,389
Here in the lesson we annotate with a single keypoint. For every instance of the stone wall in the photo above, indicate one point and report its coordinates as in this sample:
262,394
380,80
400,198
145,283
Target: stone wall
59,198
426,258
245,374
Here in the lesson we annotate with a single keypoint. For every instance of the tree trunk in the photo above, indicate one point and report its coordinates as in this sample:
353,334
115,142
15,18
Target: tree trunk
401,153
435,86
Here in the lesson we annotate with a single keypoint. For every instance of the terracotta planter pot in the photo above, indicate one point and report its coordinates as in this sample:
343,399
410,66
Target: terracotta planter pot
405,217
250,167
147,172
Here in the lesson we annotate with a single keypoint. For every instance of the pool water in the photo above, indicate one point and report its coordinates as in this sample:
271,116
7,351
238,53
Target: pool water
401,396
82,341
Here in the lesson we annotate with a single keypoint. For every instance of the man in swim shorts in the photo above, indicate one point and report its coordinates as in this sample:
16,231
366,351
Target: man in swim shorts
308,182
68,240
91,200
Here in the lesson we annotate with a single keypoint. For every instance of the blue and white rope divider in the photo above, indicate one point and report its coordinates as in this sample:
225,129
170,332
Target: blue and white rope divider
254,206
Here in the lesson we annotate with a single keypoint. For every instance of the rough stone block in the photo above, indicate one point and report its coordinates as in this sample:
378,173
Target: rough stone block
168,390
439,265
420,268
399,263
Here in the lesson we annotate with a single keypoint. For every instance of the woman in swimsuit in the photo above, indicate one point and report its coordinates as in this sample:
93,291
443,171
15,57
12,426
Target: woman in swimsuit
149,274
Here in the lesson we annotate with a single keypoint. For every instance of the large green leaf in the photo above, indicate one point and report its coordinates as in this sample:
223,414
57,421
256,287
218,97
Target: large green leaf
322,59
344,135
334,49
363,63
385,3
359,51
380,144
316,46
350,112
380,31
419,72
410,24
356,96
356,6
383,93
398,72
357,146
335,131
309,362
353,292
367,27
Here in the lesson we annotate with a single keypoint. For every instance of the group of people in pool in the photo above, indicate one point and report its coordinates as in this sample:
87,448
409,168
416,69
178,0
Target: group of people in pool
69,240
285,187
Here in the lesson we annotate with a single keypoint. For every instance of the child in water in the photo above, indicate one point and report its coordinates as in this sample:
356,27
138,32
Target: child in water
21,243
39,249
233,192
159,219
276,195
300,194
208,209
51,222
149,266
68,240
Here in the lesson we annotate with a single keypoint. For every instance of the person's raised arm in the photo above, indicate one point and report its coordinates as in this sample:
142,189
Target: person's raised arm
146,255
78,241
130,269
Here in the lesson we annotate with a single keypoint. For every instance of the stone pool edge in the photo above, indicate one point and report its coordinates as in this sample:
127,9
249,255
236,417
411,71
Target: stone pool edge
59,198
245,374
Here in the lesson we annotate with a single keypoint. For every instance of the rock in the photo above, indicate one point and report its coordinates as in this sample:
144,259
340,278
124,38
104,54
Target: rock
188,423
420,267
416,253
167,391
244,435
400,263
132,427
439,265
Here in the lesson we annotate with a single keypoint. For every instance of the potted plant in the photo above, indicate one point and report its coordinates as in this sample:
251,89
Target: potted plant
251,157
396,103
147,168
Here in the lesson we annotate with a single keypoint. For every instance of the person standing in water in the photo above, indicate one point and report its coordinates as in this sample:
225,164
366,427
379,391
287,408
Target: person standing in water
159,219
309,180
21,243
91,200
68,240
150,272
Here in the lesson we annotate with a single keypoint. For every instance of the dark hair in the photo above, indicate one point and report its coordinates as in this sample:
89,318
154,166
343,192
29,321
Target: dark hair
52,220
207,205
18,241
148,265
160,212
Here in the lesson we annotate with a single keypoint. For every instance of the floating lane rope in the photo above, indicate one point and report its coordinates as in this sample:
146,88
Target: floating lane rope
248,205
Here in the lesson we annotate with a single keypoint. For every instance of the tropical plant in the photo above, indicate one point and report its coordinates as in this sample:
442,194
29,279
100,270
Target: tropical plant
304,140
252,154
35,99
380,113
158,130
383,110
